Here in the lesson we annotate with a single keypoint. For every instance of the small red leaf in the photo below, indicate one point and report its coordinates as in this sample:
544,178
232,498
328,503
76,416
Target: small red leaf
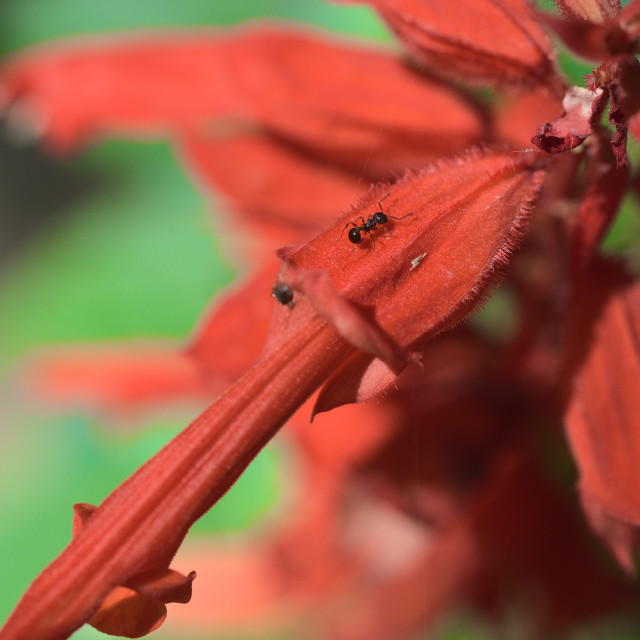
581,107
124,612
137,608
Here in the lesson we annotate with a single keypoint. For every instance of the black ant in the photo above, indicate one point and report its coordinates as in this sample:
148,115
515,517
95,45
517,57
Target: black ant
283,294
356,235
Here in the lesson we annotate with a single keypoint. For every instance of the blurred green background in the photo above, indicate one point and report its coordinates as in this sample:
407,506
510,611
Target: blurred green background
112,243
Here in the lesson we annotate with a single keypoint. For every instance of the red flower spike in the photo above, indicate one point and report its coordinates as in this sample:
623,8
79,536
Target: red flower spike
497,42
595,11
424,272
296,85
602,415
142,523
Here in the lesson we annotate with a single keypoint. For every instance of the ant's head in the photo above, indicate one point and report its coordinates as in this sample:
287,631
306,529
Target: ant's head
379,217
283,294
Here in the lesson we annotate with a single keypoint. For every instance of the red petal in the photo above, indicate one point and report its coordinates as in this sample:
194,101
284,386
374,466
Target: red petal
138,608
427,270
361,378
331,97
629,18
483,41
517,116
622,538
346,437
603,413
120,377
232,333
270,180
589,40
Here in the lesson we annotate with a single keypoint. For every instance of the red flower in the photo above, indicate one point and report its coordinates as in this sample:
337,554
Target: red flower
289,125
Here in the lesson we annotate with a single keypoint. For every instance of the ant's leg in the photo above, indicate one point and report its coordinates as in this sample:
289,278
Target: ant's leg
350,252
381,201
400,218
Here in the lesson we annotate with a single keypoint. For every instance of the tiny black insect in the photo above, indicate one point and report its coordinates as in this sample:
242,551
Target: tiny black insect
283,294
358,232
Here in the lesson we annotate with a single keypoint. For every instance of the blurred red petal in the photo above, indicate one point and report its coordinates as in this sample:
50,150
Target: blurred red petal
358,108
454,228
622,538
629,17
345,437
270,180
120,378
361,378
105,85
603,412
232,332
332,97
515,535
516,116
588,40
498,42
